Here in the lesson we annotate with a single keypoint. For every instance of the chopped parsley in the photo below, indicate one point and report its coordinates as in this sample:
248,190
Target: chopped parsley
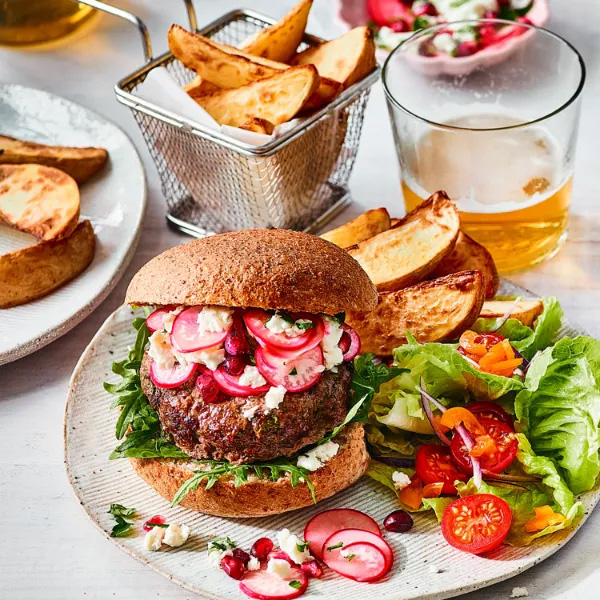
301,546
221,544
295,584
304,324
350,557
294,371
336,546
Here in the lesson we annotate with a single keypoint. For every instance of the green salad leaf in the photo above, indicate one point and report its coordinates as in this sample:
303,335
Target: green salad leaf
526,340
559,409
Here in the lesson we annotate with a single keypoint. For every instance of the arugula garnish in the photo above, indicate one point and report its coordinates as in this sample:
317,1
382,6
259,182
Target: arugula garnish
340,317
118,510
122,527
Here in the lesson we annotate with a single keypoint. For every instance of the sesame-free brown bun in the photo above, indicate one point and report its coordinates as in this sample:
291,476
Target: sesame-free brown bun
259,497
264,268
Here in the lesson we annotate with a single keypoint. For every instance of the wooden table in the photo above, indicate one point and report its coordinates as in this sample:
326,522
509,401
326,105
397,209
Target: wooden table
48,548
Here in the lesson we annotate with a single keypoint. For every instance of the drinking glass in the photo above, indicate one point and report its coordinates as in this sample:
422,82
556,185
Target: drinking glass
496,130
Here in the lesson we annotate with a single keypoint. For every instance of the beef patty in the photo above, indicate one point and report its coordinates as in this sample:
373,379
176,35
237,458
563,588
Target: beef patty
221,431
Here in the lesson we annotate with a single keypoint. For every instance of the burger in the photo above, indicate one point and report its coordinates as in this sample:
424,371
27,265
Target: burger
243,373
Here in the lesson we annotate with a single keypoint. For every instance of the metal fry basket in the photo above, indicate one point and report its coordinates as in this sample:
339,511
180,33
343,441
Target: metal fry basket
213,183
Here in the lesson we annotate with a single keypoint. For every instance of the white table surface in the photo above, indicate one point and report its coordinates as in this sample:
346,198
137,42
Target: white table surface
48,548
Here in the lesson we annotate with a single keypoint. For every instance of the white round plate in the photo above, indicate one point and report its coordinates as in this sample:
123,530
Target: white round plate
114,200
98,482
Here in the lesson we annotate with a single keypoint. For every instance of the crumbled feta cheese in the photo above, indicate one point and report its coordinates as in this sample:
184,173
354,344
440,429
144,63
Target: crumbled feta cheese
253,564
346,554
451,10
217,549
250,411
169,319
251,377
274,396
277,324
209,357
279,567
434,569
444,42
314,459
463,34
332,353
293,546
153,538
401,480
160,350
519,592
214,318
388,38
176,535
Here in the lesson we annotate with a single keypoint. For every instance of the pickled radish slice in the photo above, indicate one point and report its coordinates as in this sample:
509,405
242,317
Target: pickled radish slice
314,339
186,336
171,378
354,347
361,561
155,321
328,522
256,320
230,384
345,537
266,586
295,374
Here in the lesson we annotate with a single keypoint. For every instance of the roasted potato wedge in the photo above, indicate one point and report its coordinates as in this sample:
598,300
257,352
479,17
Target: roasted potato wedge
394,221
276,99
37,270
433,311
79,163
346,59
467,254
258,126
280,41
227,67
39,200
358,230
526,311
408,252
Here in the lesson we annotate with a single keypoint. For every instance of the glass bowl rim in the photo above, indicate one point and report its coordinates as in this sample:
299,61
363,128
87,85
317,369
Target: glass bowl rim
429,30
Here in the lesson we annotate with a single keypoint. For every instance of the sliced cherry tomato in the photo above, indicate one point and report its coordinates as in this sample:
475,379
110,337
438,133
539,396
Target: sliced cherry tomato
490,410
506,448
295,374
434,464
476,524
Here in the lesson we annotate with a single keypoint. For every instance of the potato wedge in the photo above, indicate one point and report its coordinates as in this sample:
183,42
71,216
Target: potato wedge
347,59
467,254
280,41
79,163
39,200
37,270
276,99
258,126
358,230
394,221
227,67
526,311
433,311
407,253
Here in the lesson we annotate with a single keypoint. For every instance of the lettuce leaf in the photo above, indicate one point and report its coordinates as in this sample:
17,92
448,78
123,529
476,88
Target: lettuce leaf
559,411
526,340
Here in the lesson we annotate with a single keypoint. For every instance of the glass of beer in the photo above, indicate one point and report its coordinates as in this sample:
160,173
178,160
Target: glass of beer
31,22
496,130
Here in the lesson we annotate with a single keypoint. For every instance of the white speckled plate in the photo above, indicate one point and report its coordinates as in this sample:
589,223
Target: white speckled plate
97,482
114,200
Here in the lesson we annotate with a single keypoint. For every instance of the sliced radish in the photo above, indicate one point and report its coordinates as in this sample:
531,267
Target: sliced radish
266,586
230,384
354,345
306,368
361,561
256,320
171,378
345,537
328,522
155,321
314,339
187,337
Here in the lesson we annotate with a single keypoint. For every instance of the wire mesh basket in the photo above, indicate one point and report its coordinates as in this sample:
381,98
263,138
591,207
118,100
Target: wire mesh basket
213,183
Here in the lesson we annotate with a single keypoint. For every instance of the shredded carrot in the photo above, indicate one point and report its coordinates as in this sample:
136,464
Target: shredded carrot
495,354
484,444
505,365
544,517
433,490
453,417
508,349
467,341
412,495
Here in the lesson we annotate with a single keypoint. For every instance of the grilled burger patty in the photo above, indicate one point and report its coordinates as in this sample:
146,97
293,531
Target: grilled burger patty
221,432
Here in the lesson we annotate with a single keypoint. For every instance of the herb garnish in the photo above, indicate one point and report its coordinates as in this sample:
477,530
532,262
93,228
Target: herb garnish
301,546
340,317
336,546
122,528
303,325
221,544
294,371
295,584
350,557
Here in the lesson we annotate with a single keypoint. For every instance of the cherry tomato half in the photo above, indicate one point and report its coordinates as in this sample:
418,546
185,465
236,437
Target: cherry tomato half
488,339
506,448
434,464
490,410
476,524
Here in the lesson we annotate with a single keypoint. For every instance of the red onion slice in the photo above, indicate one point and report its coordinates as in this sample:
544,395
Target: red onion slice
425,400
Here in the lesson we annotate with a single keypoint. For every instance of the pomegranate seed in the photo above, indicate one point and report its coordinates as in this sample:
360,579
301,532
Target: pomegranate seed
261,548
236,342
398,521
207,388
313,568
242,555
399,26
155,520
424,8
233,566
281,555
234,365
345,342
466,48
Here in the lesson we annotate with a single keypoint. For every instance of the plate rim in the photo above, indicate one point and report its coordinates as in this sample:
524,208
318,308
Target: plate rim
46,337
451,592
